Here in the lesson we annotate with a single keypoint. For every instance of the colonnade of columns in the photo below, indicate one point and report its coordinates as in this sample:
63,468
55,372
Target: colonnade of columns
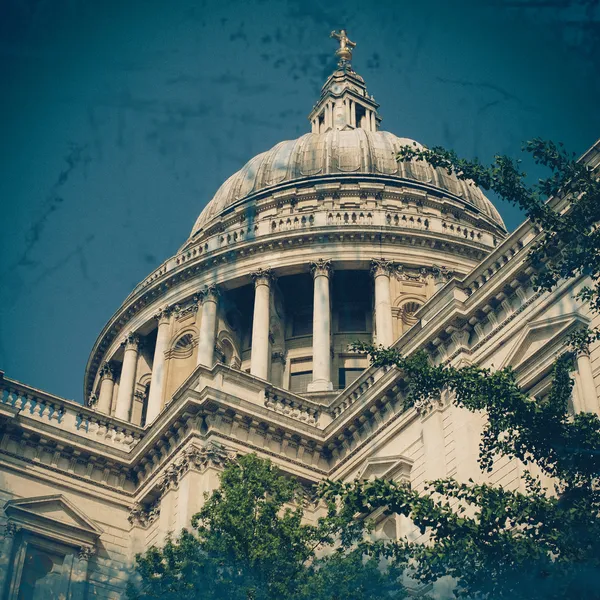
260,355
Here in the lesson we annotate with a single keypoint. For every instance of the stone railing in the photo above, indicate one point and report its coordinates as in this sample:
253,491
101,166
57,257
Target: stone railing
403,219
287,403
356,390
67,416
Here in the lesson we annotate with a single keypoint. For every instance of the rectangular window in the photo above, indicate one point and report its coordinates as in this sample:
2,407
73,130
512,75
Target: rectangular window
299,381
351,319
302,324
348,376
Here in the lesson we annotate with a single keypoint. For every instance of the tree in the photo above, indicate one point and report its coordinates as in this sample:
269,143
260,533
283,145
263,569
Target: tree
249,541
498,543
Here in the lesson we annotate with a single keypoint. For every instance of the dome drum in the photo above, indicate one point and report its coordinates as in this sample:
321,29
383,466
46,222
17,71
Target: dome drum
312,245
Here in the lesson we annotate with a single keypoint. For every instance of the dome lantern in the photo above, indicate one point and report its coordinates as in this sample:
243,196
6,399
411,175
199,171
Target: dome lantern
344,103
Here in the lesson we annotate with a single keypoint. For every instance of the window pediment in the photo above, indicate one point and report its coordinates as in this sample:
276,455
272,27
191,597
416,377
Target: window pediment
54,517
394,468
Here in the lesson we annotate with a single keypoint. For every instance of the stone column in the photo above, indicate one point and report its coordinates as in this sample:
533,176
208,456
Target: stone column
586,378
208,325
6,551
107,386
321,271
381,270
78,583
259,358
127,381
155,396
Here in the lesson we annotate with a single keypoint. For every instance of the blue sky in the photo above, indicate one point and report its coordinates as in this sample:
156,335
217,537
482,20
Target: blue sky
119,121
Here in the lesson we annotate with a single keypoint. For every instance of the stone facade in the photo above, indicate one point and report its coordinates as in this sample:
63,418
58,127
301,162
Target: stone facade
240,343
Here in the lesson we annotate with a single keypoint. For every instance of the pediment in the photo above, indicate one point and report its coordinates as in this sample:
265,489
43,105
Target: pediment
541,337
395,468
53,515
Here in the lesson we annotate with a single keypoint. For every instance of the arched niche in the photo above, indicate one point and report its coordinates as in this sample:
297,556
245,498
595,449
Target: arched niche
181,359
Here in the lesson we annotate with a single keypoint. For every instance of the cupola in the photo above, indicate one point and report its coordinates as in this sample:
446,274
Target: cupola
344,103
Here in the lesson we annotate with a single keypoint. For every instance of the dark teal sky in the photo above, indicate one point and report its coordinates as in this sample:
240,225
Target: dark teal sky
119,120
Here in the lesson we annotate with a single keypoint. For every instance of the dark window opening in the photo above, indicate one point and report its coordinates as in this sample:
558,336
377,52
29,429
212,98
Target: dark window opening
351,319
348,376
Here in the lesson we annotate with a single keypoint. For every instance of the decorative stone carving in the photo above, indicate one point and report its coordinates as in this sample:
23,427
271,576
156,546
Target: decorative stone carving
441,274
107,370
381,266
263,277
194,457
11,529
131,340
143,516
187,311
92,400
210,293
321,267
86,552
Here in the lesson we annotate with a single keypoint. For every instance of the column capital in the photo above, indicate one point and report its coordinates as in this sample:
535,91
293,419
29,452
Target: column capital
263,277
441,274
164,314
321,267
381,266
107,370
86,552
582,352
11,529
279,356
131,340
209,293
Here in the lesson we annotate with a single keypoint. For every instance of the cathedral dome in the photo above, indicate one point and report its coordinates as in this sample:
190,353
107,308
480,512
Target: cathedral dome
336,153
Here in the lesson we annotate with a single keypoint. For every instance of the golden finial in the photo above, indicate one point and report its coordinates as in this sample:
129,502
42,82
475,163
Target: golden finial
344,52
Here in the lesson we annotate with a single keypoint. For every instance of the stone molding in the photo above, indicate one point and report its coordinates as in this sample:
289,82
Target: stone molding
279,356
163,315
107,370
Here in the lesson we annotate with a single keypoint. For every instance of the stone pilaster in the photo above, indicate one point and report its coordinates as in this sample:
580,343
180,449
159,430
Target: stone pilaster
155,396
6,551
209,297
587,384
321,271
127,381
259,358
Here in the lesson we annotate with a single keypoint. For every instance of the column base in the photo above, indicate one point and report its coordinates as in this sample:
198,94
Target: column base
320,386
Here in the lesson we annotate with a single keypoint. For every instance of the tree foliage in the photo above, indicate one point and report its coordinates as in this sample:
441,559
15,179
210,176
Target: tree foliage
250,542
497,543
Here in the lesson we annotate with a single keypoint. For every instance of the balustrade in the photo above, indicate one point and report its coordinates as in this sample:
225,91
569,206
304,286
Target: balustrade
67,416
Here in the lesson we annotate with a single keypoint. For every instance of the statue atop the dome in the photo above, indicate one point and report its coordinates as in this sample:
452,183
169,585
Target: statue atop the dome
344,52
